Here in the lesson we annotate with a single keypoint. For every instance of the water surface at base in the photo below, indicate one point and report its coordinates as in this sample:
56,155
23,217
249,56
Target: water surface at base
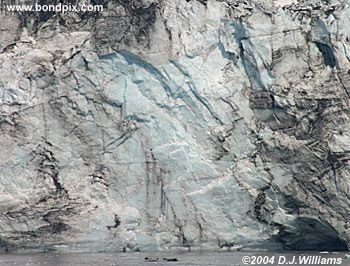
137,259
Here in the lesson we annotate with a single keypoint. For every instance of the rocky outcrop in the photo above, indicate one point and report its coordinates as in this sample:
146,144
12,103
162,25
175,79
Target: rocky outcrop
159,125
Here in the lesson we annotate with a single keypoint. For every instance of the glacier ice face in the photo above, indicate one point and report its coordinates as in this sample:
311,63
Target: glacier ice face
203,125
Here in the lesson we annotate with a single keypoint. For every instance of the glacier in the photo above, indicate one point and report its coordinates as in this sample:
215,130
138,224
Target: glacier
176,125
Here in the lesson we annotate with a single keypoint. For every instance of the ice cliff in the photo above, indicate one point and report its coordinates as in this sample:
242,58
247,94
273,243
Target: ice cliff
174,124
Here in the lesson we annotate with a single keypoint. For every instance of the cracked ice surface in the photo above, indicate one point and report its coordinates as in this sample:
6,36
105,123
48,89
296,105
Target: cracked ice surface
206,125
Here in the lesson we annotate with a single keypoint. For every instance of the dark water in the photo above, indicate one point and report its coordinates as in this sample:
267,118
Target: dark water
193,258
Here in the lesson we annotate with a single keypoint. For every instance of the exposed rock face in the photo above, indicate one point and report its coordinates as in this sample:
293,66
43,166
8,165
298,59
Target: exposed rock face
176,124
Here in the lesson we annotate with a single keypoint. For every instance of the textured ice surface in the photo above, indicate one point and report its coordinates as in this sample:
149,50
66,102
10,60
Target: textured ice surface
203,125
